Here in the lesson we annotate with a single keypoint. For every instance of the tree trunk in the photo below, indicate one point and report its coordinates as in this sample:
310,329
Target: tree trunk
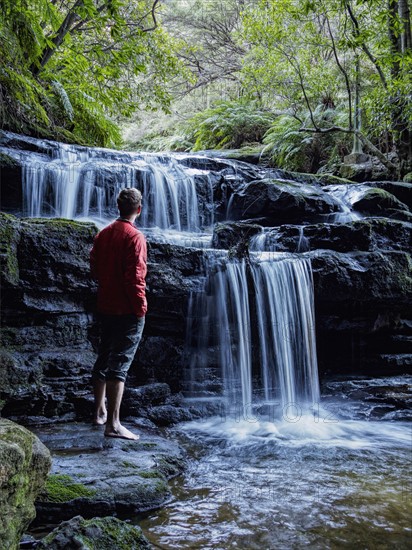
65,27
399,46
405,15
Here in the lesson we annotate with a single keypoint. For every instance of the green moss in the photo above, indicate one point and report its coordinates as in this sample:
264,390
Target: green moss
62,488
127,464
9,239
63,225
97,534
150,474
59,222
6,160
331,179
170,466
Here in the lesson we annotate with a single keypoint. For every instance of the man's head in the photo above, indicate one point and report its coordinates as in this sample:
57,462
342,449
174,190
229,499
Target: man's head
129,202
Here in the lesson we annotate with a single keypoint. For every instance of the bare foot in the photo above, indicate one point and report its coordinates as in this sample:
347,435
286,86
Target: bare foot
120,431
100,419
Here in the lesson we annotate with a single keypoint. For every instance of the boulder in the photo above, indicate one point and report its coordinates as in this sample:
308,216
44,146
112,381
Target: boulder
363,303
402,190
24,465
370,398
95,534
371,169
376,201
228,235
367,234
274,202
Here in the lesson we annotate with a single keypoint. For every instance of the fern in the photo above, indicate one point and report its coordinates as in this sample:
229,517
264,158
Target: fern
229,124
64,98
306,152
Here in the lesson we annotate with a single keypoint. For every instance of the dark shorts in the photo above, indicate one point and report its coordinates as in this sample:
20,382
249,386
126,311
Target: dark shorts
120,336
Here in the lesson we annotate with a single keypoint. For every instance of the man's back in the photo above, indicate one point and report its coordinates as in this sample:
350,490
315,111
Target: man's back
118,260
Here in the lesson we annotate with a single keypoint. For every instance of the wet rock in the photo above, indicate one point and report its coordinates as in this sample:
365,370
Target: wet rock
49,331
371,397
365,234
370,170
225,167
401,190
363,300
95,534
24,465
94,475
136,400
364,277
278,201
375,201
228,235
167,415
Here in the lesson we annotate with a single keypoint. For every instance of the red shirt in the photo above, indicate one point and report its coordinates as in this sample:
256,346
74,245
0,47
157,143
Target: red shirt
118,260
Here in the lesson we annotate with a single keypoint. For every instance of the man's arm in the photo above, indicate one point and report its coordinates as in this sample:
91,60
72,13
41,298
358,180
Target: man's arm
135,274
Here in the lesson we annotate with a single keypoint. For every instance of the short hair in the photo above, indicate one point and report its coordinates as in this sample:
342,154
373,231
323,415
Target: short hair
128,200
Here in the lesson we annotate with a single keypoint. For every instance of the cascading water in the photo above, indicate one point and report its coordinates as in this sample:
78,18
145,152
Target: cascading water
82,183
77,184
286,325
274,295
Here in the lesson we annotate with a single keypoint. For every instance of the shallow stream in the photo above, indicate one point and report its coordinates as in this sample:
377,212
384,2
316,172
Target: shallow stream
318,482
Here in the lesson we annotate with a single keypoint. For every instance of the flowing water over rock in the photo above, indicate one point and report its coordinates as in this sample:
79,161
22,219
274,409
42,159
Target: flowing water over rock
277,466
263,307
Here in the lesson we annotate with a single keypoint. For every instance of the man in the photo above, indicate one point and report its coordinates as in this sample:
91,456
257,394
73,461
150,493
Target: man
118,262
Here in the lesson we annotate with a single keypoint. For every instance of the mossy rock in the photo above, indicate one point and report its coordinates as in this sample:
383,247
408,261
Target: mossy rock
24,465
378,201
323,179
8,161
107,533
61,224
63,488
407,178
9,239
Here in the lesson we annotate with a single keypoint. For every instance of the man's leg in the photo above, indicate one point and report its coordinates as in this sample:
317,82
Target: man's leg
128,335
99,368
100,412
114,398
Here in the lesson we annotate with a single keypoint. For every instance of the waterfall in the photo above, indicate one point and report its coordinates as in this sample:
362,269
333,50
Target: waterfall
81,182
265,305
286,326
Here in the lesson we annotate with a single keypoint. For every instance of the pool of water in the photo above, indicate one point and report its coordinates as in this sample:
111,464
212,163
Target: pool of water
318,481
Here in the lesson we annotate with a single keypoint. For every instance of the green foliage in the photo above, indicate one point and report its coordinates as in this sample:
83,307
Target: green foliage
69,70
229,124
303,54
178,140
292,149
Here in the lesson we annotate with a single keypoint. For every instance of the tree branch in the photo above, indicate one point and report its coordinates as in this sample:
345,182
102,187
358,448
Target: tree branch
46,54
345,74
372,58
365,141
